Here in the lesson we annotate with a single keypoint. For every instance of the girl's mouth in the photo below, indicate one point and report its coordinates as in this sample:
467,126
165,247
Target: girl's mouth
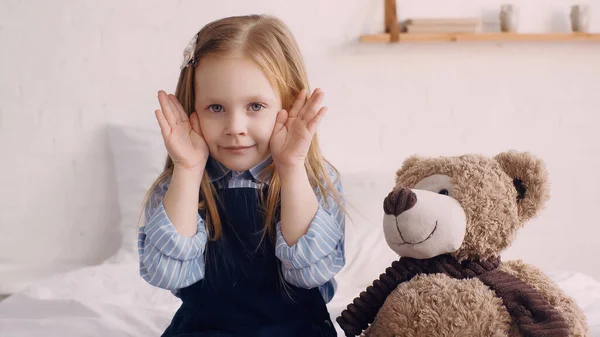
236,149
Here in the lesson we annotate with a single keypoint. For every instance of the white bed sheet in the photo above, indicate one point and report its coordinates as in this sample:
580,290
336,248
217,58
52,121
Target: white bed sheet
112,300
105,300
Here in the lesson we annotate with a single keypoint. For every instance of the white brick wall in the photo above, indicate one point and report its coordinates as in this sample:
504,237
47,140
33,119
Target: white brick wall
69,67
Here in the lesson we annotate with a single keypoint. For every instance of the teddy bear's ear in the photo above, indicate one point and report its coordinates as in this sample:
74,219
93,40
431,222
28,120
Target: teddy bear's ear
530,180
408,163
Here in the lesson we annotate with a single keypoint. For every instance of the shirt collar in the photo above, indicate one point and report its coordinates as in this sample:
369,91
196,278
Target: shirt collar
217,171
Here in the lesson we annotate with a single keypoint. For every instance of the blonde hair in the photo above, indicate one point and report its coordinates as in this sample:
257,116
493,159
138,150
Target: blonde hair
268,42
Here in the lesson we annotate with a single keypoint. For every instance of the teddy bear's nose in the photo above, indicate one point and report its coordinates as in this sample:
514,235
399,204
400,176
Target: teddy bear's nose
398,201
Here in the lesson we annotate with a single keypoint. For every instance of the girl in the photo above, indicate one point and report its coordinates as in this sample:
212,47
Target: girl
246,223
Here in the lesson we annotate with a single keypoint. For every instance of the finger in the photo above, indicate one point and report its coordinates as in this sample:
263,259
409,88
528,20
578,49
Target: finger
165,106
165,129
282,117
313,124
174,109
313,106
305,104
195,123
308,102
298,104
182,115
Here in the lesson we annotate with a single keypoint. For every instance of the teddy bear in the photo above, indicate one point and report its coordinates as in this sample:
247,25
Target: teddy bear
449,218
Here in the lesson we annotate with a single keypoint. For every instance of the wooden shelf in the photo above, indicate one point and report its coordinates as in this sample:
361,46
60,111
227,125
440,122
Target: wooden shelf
453,37
392,33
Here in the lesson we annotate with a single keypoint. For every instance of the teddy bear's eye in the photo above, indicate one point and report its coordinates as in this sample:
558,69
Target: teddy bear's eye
443,191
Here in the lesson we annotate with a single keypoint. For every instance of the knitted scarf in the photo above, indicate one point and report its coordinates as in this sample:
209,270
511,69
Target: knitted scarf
533,315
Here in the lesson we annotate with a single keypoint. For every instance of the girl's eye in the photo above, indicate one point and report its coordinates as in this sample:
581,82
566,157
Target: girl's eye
216,108
256,106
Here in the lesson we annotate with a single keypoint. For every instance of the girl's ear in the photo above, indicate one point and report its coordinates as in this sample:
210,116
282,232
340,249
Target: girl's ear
530,180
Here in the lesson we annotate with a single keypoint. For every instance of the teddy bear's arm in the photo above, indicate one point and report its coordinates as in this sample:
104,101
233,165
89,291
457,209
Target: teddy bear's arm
362,311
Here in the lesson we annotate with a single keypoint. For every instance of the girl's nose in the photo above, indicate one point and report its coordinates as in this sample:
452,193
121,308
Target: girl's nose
236,124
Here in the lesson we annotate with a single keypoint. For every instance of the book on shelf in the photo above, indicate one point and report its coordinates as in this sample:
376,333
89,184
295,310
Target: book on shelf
441,29
443,21
446,25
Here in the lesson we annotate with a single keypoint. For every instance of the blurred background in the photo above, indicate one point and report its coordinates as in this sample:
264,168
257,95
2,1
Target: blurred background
69,69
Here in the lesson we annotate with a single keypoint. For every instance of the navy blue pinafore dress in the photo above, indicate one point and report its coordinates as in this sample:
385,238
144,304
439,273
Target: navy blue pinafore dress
242,293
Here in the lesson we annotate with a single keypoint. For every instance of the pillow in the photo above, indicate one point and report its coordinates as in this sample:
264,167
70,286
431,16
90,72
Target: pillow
139,155
367,253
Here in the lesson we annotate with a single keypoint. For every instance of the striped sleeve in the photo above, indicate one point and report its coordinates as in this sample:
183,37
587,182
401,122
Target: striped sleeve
168,259
319,254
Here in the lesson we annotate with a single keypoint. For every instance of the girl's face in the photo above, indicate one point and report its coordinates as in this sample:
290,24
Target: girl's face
237,108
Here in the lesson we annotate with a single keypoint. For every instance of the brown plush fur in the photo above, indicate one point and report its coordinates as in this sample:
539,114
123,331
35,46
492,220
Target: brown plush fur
498,196
565,305
420,308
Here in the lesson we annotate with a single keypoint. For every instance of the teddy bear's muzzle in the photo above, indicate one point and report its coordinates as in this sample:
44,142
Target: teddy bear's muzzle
399,200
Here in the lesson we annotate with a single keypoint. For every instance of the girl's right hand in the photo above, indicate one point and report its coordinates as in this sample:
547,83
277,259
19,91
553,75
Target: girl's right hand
182,134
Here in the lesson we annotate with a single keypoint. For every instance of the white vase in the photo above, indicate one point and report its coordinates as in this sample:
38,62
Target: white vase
509,20
580,18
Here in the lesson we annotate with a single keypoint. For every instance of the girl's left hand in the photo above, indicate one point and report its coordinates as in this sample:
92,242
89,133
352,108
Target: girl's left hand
293,131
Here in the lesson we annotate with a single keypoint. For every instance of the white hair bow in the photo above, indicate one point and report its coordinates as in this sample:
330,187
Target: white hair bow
188,53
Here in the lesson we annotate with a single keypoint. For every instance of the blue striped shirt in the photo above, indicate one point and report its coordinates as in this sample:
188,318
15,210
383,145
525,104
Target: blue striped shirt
172,261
